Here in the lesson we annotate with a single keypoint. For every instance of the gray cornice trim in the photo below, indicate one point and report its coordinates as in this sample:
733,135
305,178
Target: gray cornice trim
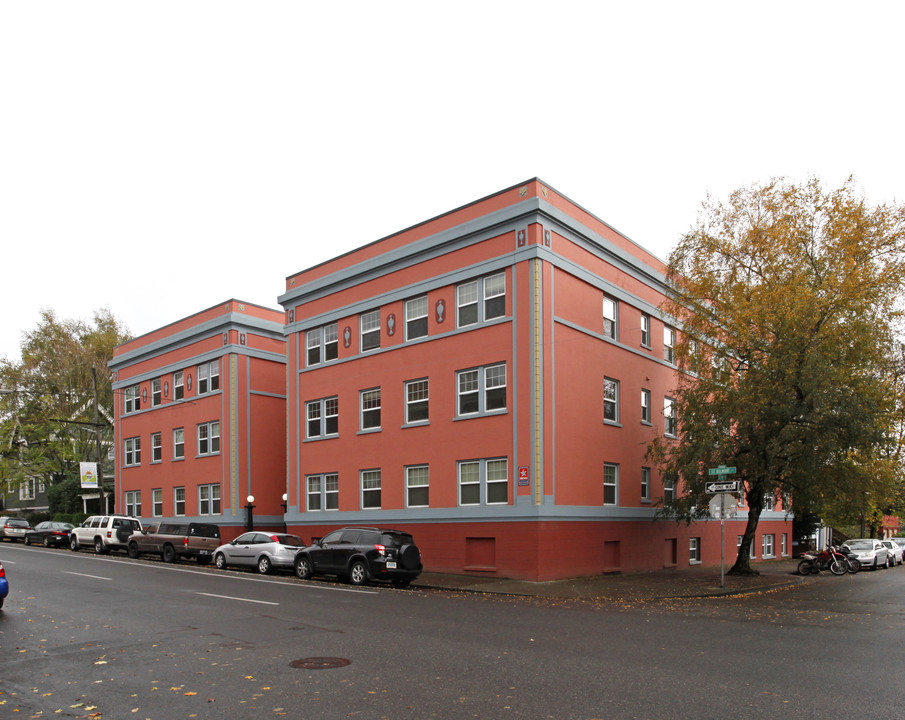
228,321
188,362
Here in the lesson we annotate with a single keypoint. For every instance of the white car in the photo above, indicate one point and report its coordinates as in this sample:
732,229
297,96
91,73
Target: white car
895,551
871,553
104,533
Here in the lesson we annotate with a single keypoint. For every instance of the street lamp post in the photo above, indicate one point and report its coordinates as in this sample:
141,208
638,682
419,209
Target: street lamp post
285,503
249,517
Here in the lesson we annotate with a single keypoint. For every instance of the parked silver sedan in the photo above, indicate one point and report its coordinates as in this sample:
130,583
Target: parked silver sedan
895,551
266,551
871,553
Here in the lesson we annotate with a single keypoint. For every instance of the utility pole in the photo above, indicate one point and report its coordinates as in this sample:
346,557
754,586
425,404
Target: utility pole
97,443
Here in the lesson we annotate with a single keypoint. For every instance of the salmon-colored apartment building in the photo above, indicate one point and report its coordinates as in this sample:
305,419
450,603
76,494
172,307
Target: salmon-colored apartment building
200,418
488,380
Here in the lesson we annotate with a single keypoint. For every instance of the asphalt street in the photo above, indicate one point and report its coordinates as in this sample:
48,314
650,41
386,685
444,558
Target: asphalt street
107,637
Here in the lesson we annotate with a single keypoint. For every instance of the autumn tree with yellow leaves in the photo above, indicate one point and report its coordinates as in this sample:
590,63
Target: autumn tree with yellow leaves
788,297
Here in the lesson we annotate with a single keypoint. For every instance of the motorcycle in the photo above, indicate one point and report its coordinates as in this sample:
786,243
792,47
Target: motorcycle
852,562
830,559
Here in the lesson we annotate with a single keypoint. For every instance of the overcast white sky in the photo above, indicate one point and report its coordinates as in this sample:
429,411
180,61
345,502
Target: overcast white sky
157,158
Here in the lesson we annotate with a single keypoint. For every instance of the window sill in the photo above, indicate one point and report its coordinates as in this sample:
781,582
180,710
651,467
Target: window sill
694,562
612,423
473,416
420,423
369,431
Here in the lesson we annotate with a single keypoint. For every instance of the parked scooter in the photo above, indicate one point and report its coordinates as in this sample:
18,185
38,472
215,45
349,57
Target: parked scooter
829,559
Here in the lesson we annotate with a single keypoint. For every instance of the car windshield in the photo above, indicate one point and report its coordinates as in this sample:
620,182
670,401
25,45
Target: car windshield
860,544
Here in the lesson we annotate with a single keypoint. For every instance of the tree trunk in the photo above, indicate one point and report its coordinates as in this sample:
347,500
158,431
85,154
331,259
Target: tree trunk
743,560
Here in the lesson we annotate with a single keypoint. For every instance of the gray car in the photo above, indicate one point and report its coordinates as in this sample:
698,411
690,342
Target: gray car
13,528
266,551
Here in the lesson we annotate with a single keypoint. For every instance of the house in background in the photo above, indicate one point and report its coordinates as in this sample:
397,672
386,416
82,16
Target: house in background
489,380
200,414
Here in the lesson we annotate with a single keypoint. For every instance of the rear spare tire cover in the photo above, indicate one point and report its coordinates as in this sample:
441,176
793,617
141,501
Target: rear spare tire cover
411,557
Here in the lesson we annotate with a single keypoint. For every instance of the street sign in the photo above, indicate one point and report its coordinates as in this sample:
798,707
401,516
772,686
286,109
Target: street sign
721,486
721,470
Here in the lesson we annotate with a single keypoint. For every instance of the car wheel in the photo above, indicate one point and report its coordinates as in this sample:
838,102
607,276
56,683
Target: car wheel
168,554
302,568
358,573
220,561
73,543
99,547
132,549
401,583
46,542
264,565
27,540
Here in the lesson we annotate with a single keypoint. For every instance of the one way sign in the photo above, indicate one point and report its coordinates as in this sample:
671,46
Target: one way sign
722,486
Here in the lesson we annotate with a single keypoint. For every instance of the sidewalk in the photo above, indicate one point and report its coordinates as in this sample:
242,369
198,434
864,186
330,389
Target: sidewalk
689,582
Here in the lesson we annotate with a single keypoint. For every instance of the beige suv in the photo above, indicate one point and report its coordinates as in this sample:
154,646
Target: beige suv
104,533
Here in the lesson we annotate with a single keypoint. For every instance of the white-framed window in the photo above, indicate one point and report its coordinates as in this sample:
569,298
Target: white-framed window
669,344
645,330
322,417
209,438
370,409
694,551
322,344
669,489
752,552
369,323
768,542
785,545
610,400
481,390
208,377
156,448
27,489
645,406
156,394
417,486
645,484
178,385
179,501
370,489
209,499
133,503
132,451
416,401
178,443
157,502
610,484
416,318
610,318
322,491
133,399
483,482
670,422
481,300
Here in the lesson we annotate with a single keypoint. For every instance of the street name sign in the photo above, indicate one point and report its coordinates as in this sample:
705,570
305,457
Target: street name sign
721,470
721,486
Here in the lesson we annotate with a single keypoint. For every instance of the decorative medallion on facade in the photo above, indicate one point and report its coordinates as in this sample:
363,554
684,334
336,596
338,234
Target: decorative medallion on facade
391,325
440,311
166,389
347,336
226,338
521,237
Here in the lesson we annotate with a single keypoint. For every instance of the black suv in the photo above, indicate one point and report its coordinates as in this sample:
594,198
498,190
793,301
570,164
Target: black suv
361,554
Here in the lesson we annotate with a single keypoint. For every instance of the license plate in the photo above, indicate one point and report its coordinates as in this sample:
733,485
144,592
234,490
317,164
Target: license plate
391,565
205,552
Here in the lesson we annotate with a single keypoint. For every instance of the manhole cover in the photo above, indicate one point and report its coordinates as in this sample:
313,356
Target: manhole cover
320,663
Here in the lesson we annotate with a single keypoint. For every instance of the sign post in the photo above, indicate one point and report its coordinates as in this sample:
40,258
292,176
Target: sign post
722,488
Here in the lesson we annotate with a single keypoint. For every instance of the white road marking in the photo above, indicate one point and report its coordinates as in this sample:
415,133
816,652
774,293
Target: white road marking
96,577
230,597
